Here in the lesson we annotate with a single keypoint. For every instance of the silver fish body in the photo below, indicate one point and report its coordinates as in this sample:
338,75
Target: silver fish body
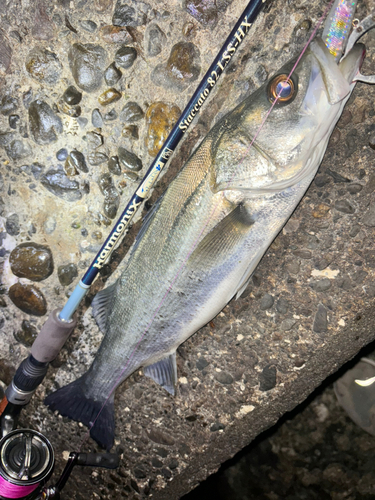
205,236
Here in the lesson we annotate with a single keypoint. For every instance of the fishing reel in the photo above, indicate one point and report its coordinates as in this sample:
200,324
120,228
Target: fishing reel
26,456
27,461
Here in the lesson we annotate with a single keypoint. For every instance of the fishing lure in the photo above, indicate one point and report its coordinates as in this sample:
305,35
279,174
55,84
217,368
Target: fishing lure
337,28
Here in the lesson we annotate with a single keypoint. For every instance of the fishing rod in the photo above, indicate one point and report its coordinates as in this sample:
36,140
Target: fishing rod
207,84
16,478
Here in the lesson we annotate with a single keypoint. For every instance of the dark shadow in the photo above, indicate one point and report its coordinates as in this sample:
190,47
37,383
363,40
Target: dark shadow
259,452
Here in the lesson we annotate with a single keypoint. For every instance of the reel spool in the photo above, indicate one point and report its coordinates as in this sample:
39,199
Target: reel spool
26,463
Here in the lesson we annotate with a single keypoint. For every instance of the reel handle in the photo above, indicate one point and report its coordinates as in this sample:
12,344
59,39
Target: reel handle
106,460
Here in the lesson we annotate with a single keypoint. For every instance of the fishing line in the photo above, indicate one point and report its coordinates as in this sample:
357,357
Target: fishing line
210,217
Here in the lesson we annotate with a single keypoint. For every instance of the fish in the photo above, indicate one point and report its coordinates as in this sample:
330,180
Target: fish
202,240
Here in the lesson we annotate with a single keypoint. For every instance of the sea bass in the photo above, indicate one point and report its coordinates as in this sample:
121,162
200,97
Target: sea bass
204,237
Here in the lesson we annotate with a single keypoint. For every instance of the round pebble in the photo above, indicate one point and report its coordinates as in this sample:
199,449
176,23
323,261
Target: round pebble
293,267
109,96
59,184
87,64
114,165
111,116
112,75
27,335
77,159
102,5
8,105
44,123
132,176
160,119
88,25
44,66
67,273
131,112
344,206
12,225
13,121
97,235
50,225
303,254
28,298
94,140
32,261
105,183
129,160
322,285
18,149
131,131
125,56
82,121
96,118
267,379
132,13
111,203
184,62
97,158
62,154
115,34
72,96
302,28
266,302
354,188
282,306
155,39
224,377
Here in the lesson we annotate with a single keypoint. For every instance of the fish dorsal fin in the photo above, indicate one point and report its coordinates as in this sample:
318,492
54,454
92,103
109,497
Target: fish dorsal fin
147,221
164,373
100,306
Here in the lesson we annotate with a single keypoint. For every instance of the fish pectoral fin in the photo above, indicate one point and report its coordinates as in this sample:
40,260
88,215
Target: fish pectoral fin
164,373
100,306
222,239
249,272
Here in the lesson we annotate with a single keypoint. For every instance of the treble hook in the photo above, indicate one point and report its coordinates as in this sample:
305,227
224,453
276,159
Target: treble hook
359,30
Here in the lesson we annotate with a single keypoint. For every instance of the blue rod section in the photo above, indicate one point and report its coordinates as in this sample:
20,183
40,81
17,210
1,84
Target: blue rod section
207,84
74,300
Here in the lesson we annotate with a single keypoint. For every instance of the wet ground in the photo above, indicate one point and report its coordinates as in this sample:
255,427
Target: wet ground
315,452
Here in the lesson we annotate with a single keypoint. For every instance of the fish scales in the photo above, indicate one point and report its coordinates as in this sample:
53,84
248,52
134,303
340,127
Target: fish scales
204,237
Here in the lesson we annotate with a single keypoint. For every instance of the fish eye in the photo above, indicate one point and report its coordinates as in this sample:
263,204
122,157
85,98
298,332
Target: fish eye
282,88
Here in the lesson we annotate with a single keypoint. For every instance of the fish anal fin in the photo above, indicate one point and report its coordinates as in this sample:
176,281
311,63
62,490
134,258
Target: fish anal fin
164,373
100,306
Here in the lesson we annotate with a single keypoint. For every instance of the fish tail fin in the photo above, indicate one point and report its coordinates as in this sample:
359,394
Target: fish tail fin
70,401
